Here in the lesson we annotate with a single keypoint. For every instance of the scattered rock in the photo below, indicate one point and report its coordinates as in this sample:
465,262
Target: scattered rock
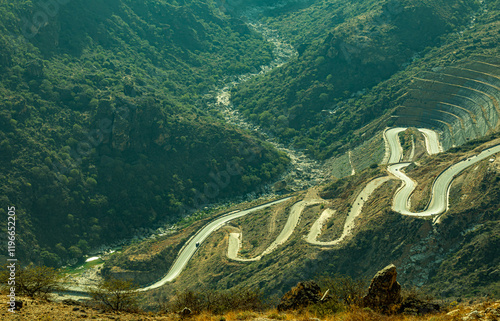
474,315
302,295
70,302
186,312
493,312
414,306
18,305
76,309
384,292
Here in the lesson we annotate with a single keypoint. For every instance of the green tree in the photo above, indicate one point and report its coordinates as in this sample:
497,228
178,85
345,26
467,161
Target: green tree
75,252
83,245
115,294
34,281
50,259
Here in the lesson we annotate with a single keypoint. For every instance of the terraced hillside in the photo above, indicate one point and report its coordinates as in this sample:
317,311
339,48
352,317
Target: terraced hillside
461,101
354,59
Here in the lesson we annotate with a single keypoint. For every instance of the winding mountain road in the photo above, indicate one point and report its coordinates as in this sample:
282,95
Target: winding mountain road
394,150
356,208
402,199
393,145
192,245
431,141
189,249
440,189
401,204
293,219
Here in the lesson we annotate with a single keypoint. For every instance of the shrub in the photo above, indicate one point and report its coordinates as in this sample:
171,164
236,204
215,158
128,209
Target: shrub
245,315
344,293
217,302
115,294
344,289
276,316
34,281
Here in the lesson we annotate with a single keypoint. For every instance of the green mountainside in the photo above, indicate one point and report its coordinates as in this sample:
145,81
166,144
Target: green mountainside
102,128
109,125
363,66
355,61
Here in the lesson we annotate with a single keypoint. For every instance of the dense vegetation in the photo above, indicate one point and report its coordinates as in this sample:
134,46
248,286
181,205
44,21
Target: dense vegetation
356,58
102,125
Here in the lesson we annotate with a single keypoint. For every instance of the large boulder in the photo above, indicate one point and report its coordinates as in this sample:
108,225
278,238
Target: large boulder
302,295
384,293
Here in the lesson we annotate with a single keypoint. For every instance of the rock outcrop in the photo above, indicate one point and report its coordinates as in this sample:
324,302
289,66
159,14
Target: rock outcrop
384,293
302,295
186,312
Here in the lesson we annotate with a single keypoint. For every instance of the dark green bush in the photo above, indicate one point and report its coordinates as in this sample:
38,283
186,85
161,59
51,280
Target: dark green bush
344,293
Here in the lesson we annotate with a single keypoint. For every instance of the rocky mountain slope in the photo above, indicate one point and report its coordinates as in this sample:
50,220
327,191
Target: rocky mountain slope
102,126
356,62
447,81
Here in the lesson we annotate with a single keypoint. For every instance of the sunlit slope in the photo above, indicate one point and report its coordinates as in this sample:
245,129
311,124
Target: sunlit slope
318,100
461,101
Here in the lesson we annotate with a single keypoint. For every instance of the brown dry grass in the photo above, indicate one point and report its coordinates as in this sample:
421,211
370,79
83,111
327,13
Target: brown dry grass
43,310
487,309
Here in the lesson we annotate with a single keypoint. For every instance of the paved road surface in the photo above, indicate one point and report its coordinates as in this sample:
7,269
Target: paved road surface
190,248
393,144
431,141
440,188
291,223
356,208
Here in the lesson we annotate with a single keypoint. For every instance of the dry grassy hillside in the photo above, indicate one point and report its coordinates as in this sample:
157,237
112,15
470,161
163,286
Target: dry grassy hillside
454,258
43,310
